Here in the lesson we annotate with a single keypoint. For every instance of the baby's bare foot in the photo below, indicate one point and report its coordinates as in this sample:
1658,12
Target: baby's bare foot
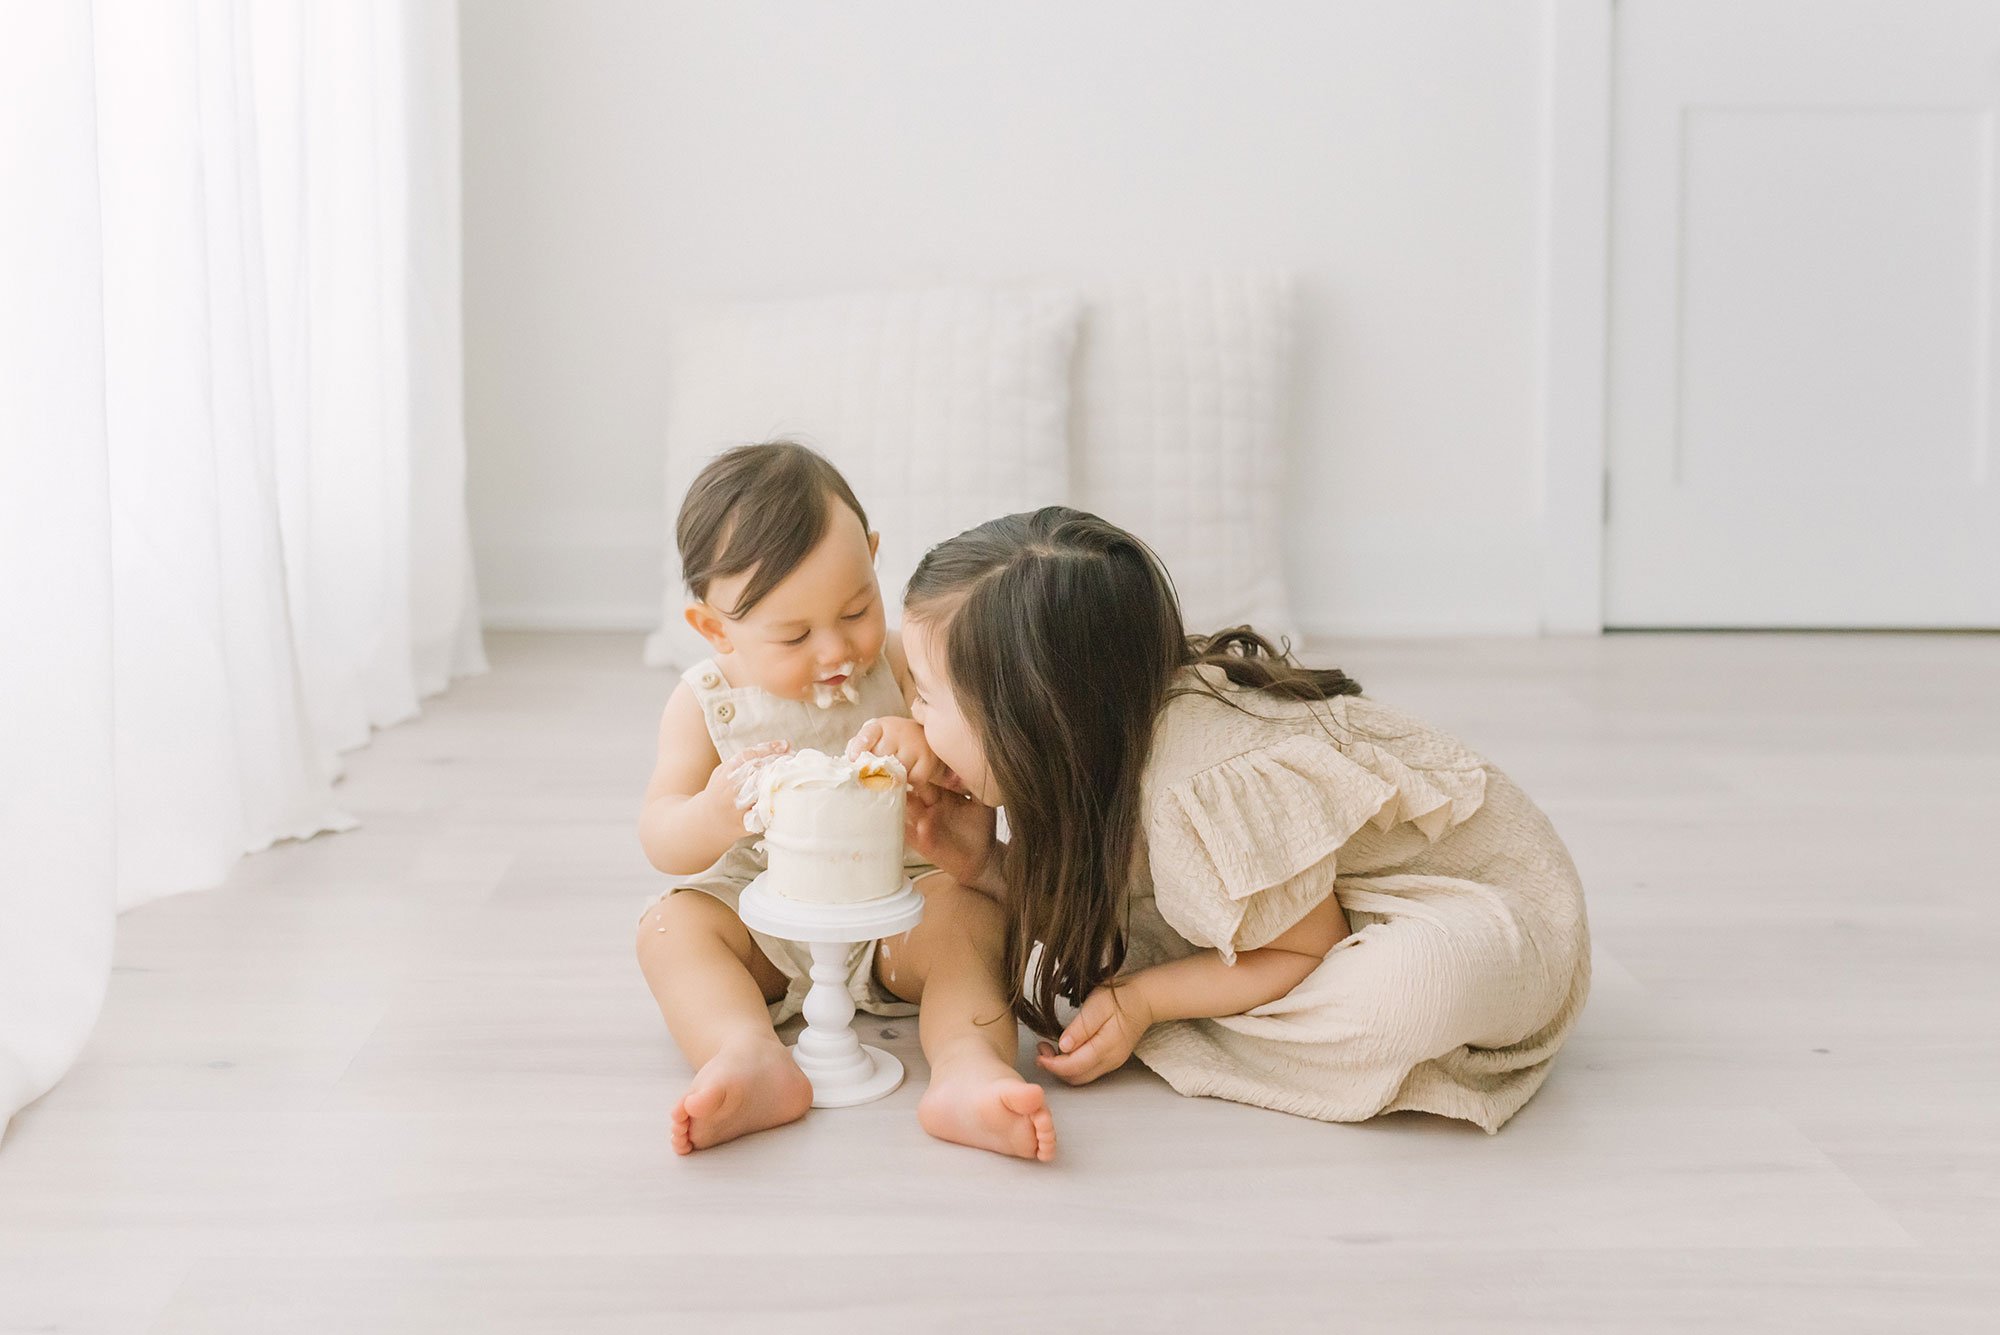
749,1086
987,1105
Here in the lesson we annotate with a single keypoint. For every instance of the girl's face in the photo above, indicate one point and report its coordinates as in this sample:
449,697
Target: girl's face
937,710
823,623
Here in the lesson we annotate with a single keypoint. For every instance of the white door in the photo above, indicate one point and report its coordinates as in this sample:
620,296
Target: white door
1803,290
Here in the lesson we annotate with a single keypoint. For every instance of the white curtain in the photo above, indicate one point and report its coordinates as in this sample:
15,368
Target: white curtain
232,520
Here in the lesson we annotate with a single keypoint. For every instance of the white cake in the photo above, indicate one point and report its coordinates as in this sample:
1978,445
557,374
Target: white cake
833,827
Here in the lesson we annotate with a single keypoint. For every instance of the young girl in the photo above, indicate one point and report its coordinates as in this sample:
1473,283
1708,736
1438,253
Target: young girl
1265,885
779,563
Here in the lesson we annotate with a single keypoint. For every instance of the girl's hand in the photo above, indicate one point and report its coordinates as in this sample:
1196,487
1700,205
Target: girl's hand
726,792
952,831
1101,1037
904,739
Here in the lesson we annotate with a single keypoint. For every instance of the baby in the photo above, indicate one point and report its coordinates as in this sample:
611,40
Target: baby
779,564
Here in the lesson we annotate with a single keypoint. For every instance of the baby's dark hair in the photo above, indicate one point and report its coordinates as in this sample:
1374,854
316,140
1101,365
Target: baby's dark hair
761,508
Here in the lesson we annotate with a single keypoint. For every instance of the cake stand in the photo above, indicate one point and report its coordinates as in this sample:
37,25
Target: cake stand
843,1070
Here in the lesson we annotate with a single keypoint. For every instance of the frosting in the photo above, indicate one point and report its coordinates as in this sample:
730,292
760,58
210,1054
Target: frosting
827,694
763,780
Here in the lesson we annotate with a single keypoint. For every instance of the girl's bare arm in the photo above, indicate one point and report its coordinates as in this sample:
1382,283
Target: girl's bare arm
1113,1018
1203,986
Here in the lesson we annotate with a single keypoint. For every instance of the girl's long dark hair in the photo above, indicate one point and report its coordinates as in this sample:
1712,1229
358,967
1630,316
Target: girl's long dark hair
1063,640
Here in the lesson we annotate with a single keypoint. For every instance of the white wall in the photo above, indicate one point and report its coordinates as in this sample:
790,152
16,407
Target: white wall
623,154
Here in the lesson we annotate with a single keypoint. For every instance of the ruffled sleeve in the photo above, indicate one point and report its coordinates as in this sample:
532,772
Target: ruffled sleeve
1241,850
1432,798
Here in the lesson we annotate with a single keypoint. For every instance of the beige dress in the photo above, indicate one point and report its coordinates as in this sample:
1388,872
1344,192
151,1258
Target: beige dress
1470,954
740,717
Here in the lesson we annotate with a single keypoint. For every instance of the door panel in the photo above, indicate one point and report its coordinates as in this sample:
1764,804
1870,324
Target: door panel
1802,307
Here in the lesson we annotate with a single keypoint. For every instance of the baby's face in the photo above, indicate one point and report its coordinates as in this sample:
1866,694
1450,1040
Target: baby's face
936,709
821,624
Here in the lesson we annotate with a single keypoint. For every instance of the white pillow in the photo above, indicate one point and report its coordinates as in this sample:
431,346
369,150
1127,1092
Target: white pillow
942,407
1181,423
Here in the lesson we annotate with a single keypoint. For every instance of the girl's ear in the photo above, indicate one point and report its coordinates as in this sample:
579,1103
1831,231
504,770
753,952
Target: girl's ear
874,545
708,625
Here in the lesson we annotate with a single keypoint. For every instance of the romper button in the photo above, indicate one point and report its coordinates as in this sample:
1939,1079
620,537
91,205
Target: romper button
711,680
725,711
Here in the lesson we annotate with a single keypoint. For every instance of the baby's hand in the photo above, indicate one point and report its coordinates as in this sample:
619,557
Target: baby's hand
727,792
904,739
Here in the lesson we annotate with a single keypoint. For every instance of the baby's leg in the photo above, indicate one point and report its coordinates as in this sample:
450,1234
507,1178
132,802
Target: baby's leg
712,984
950,964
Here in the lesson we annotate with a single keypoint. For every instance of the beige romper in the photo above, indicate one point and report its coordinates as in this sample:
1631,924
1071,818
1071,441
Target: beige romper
1470,954
740,717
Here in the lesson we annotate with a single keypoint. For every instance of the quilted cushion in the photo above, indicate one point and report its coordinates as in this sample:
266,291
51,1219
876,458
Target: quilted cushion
1181,421
943,407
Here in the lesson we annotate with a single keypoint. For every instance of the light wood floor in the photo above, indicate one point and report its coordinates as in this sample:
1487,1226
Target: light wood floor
409,1079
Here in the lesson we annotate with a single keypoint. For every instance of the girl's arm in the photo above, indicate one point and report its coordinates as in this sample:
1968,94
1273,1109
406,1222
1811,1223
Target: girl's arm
1114,1017
1202,986
690,816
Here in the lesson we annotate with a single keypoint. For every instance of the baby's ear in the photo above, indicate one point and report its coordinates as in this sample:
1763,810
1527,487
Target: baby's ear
708,625
874,545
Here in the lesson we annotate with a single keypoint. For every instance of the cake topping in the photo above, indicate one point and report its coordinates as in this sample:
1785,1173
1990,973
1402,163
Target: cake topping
814,769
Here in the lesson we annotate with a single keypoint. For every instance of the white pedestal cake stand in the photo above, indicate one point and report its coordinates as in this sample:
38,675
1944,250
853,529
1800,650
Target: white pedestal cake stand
843,1070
